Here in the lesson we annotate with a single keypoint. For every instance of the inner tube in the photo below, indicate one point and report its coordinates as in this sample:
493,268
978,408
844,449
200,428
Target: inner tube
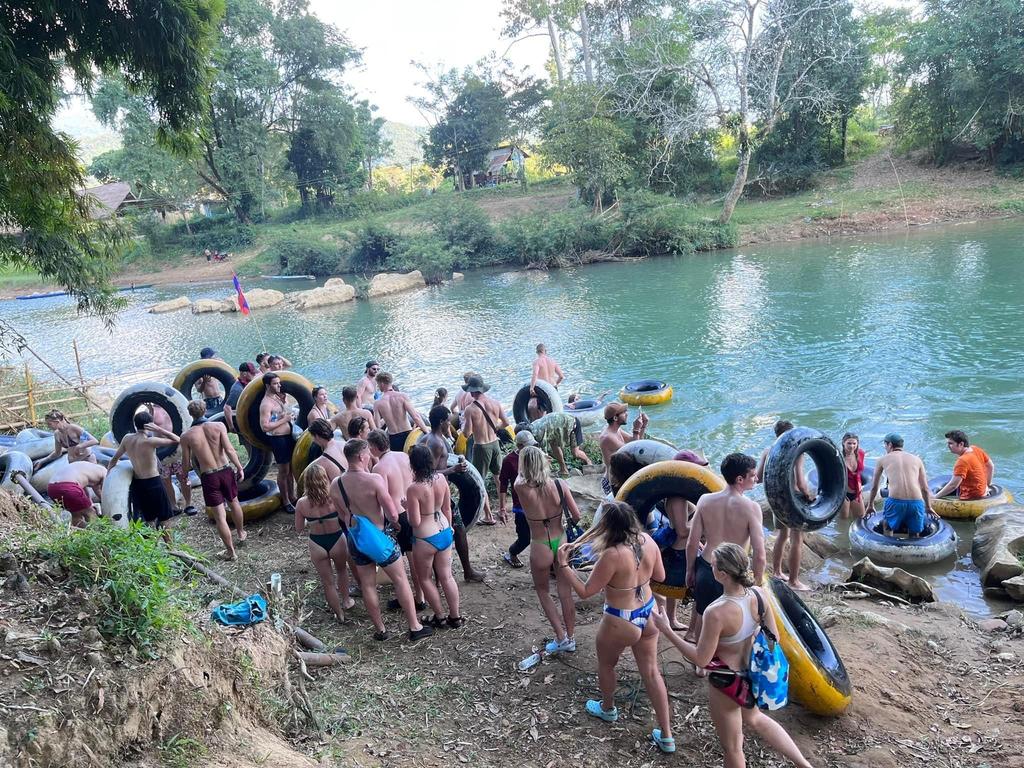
108,440
257,502
662,479
34,443
461,445
414,437
247,416
645,392
11,462
41,477
937,542
634,456
954,508
306,451
114,501
547,398
187,377
168,398
793,510
257,462
865,477
589,411
470,489
817,678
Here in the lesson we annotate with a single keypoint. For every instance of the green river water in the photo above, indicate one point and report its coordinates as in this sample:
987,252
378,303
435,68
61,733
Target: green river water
917,332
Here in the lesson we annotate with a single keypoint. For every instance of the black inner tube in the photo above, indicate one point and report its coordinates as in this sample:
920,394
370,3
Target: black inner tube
302,396
585,405
257,461
645,385
813,637
225,378
469,496
122,418
790,507
931,527
519,411
254,491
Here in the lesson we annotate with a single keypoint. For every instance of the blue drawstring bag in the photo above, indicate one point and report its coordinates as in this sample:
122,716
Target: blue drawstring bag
769,668
251,610
370,540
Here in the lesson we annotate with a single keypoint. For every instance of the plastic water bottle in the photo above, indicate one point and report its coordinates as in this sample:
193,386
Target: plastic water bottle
529,662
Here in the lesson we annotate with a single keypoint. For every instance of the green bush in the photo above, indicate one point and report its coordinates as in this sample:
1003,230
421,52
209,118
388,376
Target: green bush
462,225
428,253
297,255
555,238
657,225
374,244
133,581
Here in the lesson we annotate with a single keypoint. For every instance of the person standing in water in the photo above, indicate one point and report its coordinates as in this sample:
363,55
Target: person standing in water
853,458
545,368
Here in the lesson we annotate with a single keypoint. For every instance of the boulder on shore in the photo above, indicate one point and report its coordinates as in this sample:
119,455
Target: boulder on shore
457,277
171,305
257,298
392,282
586,490
998,544
893,581
200,306
334,282
323,297
1015,588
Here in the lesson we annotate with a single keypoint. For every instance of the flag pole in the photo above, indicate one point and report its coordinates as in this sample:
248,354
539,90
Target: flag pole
246,310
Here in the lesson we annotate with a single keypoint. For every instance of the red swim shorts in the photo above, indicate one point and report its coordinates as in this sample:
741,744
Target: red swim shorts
71,496
219,487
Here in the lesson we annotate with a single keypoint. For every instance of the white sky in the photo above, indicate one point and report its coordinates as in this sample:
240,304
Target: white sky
391,33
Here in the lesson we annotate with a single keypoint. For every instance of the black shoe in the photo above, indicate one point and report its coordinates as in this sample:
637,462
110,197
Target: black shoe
425,631
380,636
455,621
191,511
434,621
394,605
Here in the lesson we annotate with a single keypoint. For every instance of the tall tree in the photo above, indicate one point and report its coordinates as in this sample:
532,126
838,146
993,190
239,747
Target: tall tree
370,132
532,15
161,47
324,151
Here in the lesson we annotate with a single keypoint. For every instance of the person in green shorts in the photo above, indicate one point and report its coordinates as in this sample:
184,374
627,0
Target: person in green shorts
545,504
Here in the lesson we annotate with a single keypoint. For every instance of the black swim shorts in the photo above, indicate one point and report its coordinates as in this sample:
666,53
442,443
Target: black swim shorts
282,446
149,501
707,588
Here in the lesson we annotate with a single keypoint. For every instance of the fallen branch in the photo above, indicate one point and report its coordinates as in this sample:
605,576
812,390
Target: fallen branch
322,659
856,586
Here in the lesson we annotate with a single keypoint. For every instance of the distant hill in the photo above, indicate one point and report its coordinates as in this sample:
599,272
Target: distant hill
406,143
76,119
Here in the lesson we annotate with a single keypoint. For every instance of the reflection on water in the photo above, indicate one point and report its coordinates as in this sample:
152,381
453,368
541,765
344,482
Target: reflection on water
919,333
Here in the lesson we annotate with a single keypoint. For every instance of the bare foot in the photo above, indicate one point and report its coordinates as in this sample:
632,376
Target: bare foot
229,555
799,586
778,575
473,576
242,536
699,671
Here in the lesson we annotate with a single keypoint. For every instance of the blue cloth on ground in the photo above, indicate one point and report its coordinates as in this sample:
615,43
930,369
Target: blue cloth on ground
905,515
252,610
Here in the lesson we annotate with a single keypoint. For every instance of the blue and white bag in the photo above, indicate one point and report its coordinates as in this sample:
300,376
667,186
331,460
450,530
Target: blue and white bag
769,668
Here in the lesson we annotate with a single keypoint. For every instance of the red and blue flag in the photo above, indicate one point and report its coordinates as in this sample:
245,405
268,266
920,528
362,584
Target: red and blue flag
243,305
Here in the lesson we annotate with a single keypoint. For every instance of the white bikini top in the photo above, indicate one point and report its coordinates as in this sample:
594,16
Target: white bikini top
749,625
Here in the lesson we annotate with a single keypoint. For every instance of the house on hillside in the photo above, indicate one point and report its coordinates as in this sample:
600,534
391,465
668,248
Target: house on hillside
108,200
503,164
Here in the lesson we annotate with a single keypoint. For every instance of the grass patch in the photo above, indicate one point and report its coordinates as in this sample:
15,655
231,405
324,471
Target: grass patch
1011,206
182,752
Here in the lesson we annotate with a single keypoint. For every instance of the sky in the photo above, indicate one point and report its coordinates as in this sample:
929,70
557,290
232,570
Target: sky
454,33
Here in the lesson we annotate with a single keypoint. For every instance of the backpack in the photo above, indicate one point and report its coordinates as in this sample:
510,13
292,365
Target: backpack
769,668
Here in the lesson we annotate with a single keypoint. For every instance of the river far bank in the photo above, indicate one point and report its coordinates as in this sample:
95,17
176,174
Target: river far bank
880,193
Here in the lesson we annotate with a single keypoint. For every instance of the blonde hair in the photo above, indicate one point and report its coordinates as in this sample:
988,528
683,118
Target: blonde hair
731,559
315,481
533,466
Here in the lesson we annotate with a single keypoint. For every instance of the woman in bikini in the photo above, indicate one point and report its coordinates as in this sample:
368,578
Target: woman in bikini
328,548
726,637
542,499
853,457
322,408
428,503
627,561
67,436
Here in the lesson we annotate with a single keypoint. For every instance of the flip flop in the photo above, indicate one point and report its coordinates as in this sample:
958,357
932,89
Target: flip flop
666,745
515,563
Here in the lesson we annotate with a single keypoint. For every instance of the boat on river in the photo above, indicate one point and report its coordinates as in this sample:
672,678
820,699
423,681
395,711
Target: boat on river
50,294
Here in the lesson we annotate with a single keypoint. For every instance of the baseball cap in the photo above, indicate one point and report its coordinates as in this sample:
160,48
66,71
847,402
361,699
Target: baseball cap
525,438
690,456
894,439
614,409
207,352
370,364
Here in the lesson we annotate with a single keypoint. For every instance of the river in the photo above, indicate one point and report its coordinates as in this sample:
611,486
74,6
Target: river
918,333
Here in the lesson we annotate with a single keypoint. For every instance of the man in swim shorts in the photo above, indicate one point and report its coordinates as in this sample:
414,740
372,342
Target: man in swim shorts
725,516
973,470
613,437
70,486
395,412
909,501
351,409
481,420
220,471
207,386
545,368
276,422
146,495
366,389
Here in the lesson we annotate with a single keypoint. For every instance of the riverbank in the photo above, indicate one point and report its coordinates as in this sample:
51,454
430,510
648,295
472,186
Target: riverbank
880,193
928,683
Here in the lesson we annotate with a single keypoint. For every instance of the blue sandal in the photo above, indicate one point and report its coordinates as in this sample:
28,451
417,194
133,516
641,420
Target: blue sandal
595,709
666,745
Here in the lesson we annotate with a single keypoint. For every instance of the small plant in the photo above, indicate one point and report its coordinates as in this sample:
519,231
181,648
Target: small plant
181,752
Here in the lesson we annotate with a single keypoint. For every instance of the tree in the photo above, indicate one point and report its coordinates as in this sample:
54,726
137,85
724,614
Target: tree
161,47
371,138
887,31
523,15
325,149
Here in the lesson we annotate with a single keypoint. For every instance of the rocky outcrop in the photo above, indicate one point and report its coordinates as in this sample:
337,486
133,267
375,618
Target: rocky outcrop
1014,588
586,490
201,306
334,282
998,545
257,298
171,305
892,581
457,277
392,282
326,296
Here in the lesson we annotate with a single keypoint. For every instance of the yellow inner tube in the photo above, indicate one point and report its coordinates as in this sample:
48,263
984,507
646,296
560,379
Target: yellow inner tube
818,681
952,508
251,398
462,442
412,439
258,507
179,380
645,398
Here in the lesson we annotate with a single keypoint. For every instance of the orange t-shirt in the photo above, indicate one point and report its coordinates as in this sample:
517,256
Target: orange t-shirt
971,467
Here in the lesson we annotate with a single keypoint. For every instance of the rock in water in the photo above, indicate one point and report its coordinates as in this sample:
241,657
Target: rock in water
257,298
392,282
335,282
895,581
322,297
171,305
202,306
1015,588
998,540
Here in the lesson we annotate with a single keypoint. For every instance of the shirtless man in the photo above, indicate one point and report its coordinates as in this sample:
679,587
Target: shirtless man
909,499
793,535
278,362
367,386
146,495
67,436
438,444
480,420
725,516
207,442
358,429
171,466
350,399
358,492
546,369
613,437
462,399
394,467
394,410
276,422
70,486
207,386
